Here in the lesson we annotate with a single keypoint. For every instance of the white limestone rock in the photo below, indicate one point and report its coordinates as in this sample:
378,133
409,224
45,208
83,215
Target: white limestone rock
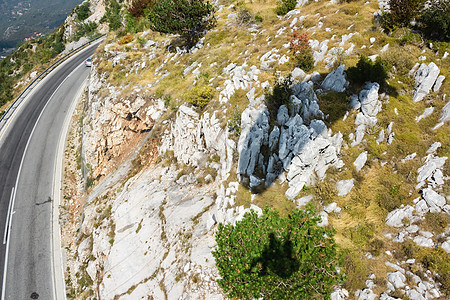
445,115
283,115
254,134
298,74
438,83
424,78
339,294
336,80
301,202
446,246
344,187
423,241
397,279
370,105
324,219
395,217
274,137
435,201
427,170
360,161
367,294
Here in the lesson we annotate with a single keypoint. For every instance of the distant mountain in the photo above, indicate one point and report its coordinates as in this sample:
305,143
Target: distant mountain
27,19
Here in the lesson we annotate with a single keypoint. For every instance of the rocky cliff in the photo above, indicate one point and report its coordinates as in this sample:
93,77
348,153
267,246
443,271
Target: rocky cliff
372,158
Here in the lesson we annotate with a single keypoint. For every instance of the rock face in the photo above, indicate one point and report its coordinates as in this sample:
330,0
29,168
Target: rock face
113,123
153,227
194,139
336,80
424,79
369,106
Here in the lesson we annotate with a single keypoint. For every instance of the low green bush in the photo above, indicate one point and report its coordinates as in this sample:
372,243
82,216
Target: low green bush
285,6
367,70
435,20
280,95
199,96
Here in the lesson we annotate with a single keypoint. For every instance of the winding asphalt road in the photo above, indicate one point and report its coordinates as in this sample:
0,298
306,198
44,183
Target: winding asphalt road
28,150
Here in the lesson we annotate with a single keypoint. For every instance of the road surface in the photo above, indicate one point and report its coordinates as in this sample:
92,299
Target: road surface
28,150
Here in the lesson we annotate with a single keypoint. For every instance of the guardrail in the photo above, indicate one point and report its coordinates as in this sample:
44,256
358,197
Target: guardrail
9,112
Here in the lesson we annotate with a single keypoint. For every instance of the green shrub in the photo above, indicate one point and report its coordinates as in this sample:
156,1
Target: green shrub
200,96
367,70
83,11
401,13
400,58
280,95
112,15
234,124
305,60
285,6
274,257
189,18
435,20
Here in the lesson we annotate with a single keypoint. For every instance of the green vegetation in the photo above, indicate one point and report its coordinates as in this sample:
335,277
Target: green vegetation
277,257
83,11
367,70
199,96
401,13
280,95
112,15
435,20
285,6
21,62
188,18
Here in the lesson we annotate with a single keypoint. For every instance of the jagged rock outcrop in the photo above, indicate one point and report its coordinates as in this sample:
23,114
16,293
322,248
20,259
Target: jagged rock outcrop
194,139
336,80
112,122
369,106
424,79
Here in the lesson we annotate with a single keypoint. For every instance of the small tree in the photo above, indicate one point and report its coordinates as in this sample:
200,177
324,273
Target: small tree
401,13
274,257
301,50
189,18
285,6
435,20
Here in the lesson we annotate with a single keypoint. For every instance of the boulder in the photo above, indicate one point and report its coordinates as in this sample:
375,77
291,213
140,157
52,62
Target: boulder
344,187
274,137
283,115
304,200
446,246
360,161
445,115
438,83
336,80
423,241
395,217
298,74
367,294
434,147
339,294
414,295
324,219
370,105
397,279
424,79
435,201
428,169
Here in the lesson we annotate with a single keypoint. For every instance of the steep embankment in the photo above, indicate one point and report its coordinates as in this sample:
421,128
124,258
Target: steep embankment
372,158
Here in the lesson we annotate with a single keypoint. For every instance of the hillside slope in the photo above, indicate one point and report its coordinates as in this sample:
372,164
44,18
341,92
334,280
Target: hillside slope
158,173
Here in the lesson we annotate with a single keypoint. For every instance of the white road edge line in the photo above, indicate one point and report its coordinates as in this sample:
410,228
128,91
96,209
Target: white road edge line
7,223
5,270
58,271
